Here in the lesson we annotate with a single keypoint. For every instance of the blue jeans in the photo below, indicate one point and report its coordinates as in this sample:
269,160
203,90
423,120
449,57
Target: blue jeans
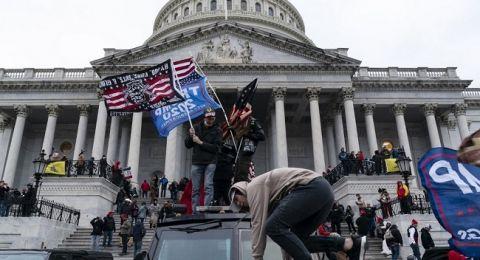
206,171
107,235
395,251
95,242
3,208
298,215
416,251
137,247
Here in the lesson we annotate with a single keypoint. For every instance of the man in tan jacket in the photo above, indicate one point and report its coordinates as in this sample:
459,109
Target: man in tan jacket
288,205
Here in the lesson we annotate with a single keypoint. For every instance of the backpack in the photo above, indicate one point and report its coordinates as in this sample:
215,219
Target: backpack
388,235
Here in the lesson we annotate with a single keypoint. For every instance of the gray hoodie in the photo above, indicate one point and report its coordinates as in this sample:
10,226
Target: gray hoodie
261,192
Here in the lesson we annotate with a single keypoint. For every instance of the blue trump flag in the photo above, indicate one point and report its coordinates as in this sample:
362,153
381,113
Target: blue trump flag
197,100
454,192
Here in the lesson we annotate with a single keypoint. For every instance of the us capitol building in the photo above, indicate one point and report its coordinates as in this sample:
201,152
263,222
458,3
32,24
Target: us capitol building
311,101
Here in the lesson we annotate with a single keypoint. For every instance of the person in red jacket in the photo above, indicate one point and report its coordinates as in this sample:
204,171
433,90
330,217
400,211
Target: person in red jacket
145,188
403,196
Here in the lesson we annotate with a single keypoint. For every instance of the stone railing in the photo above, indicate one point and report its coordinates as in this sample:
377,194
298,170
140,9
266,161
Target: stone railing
48,74
473,93
406,73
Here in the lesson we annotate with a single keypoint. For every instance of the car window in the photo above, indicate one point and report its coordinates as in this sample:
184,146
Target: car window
22,256
211,244
272,251
59,257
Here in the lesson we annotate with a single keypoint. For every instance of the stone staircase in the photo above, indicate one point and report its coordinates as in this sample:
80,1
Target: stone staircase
374,251
81,239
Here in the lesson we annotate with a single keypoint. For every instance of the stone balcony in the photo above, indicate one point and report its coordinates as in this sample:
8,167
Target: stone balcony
56,74
395,73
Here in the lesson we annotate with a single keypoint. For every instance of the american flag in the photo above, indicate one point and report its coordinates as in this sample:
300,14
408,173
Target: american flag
146,90
242,110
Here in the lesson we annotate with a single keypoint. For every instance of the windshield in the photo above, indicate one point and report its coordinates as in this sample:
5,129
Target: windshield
21,256
272,251
212,244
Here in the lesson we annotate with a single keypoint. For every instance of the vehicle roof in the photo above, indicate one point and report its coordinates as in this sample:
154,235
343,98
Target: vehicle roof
199,218
86,252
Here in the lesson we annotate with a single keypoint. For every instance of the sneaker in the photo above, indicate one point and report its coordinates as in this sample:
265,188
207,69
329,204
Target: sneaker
357,252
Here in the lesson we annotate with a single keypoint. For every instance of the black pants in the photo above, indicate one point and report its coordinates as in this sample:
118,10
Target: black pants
242,168
351,226
124,243
298,215
220,191
336,227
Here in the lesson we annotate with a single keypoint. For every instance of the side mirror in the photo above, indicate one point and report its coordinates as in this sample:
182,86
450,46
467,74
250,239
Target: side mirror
142,256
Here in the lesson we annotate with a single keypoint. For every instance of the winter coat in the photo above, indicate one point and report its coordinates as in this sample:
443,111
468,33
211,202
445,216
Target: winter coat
109,224
126,228
143,211
97,225
250,140
427,240
211,137
397,237
145,187
337,215
363,224
134,210
138,231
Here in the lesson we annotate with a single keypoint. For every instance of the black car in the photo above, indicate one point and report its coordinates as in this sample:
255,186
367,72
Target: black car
53,254
208,236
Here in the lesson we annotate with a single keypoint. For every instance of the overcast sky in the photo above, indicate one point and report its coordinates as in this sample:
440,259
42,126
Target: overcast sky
381,33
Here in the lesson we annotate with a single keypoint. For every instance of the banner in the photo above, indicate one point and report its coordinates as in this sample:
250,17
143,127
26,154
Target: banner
391,165
144,90
55,168
454,192
197,99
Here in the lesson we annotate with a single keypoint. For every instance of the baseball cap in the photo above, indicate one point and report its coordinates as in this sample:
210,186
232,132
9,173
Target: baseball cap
209,112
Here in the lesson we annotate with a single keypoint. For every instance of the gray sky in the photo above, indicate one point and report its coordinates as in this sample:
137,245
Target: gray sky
381,33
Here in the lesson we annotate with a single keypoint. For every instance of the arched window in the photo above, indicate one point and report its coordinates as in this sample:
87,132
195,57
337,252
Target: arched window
258,7
213,5
243,5
175,16
271,12
186,11
199,7
229,4
282,17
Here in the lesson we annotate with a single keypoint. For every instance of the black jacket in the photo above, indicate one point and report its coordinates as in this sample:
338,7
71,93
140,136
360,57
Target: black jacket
97,225
250,140
138,231
109,224
427,240
224,169
397,237
362,223
211,138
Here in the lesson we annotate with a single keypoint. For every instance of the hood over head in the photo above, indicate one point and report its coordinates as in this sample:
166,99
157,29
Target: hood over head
237,187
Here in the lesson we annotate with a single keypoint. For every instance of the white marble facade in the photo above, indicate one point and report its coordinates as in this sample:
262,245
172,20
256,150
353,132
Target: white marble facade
311,101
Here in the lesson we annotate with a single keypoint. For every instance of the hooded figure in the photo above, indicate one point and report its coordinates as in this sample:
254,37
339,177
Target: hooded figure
288,205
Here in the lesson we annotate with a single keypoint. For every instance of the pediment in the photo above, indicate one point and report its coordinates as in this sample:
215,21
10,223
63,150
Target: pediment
228,44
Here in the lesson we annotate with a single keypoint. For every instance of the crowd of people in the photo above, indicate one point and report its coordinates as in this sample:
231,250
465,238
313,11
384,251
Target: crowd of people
16,202
368,223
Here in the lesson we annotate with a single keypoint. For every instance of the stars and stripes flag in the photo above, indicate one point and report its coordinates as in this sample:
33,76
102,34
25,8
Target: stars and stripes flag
146,90
239,117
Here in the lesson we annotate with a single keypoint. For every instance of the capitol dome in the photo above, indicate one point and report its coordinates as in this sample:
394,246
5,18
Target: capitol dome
276,16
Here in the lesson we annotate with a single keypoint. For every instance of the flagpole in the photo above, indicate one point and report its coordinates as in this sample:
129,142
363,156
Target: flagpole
220,102
183,93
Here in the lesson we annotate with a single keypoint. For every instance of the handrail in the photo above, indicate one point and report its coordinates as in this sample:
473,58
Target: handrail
24,207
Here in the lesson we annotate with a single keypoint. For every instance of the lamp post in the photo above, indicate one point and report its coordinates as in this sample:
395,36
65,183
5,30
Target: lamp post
38,169
403,163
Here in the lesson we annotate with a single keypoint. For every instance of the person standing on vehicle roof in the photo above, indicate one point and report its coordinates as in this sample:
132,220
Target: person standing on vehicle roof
288,204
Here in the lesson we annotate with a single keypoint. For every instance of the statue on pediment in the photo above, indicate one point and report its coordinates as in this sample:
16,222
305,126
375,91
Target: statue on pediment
225,50
246,53
206,54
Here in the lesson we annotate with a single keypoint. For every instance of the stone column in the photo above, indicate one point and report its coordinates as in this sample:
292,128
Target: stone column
348,94
281,132
339,133
100,127
399,111
461,115
429,110
134,149
113,139
4,142
81,130
370,127
455,138
15,144
173,163
443,121
316,124
50,129
125,136
332,153
273,141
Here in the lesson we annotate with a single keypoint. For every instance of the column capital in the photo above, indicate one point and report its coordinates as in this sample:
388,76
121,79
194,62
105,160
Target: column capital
100,95
399,109
3,122
84,109
443,120
347,93
21,110
312,93
368,108
460,109
279,93
429,109
52,110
